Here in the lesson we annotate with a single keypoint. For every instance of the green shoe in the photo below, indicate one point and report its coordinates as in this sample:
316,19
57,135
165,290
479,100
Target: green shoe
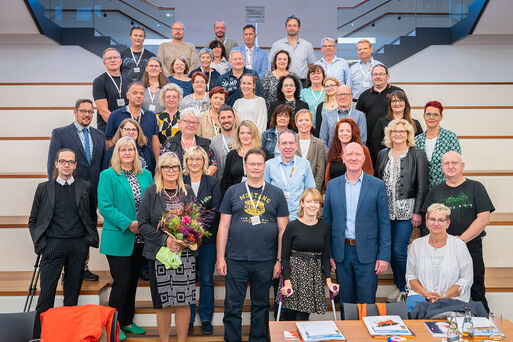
122,335
134,329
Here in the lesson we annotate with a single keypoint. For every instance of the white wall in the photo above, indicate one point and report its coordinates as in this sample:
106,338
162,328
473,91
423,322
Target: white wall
15,18
496,19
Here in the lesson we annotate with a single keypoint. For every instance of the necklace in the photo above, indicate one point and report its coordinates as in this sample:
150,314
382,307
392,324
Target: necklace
170,197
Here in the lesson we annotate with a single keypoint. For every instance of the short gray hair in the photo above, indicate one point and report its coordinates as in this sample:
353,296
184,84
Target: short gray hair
329,39
457,153
190,110
205,51
168,87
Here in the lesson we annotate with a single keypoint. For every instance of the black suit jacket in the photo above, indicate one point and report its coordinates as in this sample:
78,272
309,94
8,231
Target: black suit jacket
67,137
42,212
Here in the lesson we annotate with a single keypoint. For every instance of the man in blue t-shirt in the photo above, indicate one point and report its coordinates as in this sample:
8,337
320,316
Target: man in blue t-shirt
253,218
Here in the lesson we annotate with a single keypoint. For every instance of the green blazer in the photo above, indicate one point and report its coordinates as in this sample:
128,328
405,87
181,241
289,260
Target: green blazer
117,206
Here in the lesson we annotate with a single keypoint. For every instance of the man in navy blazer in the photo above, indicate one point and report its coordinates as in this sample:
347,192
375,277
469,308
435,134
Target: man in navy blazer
356,207
88,143
255,58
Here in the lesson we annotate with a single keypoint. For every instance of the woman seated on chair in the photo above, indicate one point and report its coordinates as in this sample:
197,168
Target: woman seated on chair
439,265
305,257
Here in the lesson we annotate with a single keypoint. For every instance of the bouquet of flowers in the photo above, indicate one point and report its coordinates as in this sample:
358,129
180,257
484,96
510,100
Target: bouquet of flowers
186,227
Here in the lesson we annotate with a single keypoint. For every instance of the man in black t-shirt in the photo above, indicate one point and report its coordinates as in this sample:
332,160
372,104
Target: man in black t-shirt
109,89
134,59
253,218
470,214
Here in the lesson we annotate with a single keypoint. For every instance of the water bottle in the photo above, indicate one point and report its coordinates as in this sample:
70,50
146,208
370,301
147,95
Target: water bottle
468,325
452,331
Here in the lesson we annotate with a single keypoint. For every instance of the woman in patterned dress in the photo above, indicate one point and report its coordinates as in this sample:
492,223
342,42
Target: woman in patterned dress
170,97
305,257
169,287
404,170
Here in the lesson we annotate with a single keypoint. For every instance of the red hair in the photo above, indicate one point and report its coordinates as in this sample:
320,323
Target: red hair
335,151
435,104
218,90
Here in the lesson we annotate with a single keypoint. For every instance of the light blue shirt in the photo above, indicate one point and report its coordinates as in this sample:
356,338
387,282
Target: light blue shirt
80,130
313,98
300,56
302,178
338,68
360,78
352,197
330,119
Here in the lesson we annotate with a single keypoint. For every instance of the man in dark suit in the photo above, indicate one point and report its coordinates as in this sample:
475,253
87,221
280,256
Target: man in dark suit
356,207
88,143
62,224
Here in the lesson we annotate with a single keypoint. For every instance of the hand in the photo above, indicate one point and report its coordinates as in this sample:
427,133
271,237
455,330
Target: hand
221,266
333,287
134,227
277,270
333,265
381,266
173,246
432,296
286,290
416,220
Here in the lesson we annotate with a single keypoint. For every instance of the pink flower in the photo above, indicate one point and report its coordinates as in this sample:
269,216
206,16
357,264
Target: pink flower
186,219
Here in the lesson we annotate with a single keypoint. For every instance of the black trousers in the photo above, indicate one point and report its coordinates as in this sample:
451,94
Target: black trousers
478,290
125,274
58,253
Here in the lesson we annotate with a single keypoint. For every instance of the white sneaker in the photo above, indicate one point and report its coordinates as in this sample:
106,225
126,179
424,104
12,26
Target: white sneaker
402,297
393,297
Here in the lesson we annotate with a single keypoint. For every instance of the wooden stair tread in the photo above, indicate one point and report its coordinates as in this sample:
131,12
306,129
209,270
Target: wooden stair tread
195,336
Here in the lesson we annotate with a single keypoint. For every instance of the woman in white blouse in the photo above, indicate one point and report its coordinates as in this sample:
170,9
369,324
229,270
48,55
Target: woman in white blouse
439,265
249,106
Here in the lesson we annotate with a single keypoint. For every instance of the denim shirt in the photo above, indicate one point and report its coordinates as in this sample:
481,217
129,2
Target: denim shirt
269,140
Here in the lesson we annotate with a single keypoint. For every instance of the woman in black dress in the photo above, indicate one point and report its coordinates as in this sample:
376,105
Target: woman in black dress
288,90
305,257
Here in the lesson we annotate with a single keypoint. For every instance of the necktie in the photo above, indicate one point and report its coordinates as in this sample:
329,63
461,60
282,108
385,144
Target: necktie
87,147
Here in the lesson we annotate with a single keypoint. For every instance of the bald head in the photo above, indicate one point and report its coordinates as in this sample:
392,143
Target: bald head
354,158
344,97
452,167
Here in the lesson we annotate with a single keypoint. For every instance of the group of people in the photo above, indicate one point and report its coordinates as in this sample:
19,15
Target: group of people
311,168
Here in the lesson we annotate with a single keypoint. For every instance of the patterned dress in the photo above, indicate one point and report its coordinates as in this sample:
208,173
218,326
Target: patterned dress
136,191
399,209
167,127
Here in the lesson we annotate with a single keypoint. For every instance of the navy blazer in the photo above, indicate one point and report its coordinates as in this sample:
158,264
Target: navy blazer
67,137
372,228
259,59
209,187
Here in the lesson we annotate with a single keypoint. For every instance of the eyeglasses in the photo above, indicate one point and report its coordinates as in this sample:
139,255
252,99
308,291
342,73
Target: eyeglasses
153,66
190,123
344,95
195,160
85,111
432,115
65,162
283,115
329,86
397,101
255,165
379,74
130,130
450,163
126,150
289,86
167,168
439,221
399,132
328,46
112,58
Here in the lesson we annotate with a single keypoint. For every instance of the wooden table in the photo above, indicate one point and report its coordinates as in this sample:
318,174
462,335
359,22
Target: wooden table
356,330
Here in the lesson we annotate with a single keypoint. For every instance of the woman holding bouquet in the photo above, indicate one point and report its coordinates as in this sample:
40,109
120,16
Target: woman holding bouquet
208,194
120,191
305,257
169,193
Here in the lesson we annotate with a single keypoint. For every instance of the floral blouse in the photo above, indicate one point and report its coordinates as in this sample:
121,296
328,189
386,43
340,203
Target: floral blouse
399,209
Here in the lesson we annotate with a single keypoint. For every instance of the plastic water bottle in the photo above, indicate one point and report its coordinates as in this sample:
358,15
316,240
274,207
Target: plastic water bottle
452,333
468,325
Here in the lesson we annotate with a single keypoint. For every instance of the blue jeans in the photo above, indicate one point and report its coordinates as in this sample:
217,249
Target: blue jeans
401,232
259,274
358,282
206,263
412,301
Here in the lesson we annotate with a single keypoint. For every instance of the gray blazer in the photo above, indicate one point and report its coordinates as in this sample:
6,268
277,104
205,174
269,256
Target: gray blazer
317,158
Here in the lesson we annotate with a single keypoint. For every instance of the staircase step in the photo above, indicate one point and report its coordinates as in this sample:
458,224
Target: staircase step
195,336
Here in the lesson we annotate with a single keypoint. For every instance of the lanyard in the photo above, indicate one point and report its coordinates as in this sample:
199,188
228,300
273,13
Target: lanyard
115,85
195,103
317,98
185,146
350,110
327,66
138,118
216,129
140,56
291,172
366,75
225,144
209,74
151,97
251,198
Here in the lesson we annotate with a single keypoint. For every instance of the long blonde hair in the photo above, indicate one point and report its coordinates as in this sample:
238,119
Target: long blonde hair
256,138
115,162
165,160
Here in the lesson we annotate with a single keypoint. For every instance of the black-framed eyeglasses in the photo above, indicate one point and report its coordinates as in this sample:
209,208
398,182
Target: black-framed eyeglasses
64,162
167,168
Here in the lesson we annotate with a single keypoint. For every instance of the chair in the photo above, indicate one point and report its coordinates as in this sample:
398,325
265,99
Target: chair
398,309
17,326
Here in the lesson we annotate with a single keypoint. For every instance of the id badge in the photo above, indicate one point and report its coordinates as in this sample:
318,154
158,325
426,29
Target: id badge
366,84
287,194
255,220
151,108
137,69
121,102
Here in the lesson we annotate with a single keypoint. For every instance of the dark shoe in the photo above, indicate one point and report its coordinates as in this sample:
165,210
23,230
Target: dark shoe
191,325
144,276
90,276
206,328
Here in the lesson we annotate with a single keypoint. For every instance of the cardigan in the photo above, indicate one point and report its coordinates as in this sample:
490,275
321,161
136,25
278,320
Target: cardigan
117,206
317,158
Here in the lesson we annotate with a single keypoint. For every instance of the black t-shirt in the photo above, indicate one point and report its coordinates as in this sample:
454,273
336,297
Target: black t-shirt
249,242
303,238
127,68
337,168
103,88
465,201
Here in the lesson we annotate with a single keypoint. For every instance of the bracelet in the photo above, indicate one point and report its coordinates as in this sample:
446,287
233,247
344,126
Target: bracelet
278,260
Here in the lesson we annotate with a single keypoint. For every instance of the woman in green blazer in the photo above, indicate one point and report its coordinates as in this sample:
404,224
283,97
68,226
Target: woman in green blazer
120,191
